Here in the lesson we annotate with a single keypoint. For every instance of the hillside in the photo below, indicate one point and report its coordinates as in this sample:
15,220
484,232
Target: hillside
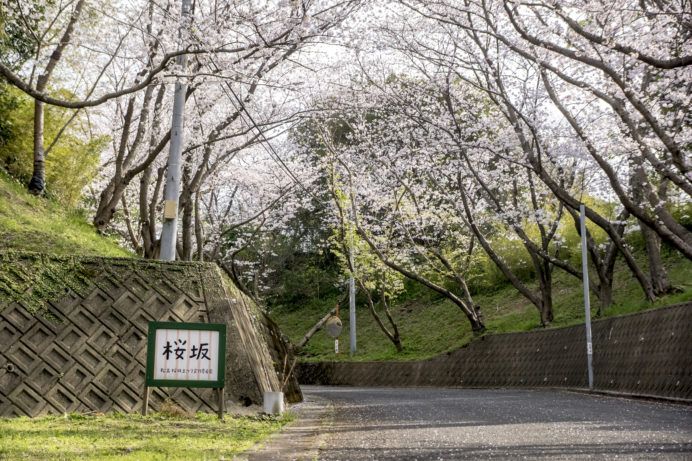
429,325
38,224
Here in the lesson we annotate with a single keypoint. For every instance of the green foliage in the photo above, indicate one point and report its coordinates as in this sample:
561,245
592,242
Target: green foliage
431,326
37,224
133,437
72,162
8,104
20,27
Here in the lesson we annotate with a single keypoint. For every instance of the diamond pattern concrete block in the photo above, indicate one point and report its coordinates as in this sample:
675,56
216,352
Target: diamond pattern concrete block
141,356
58,358
108,379
24,398
167,290
9,380
70,337
102,339
76,378
43,378
120,359
8,334
84,320
135,379
92,397
156,398
171,317
97,302
55,323
137,286
18,317
127,304
134,340
112,286
89,358
22,357
185,308
126,399
38,338
141,320
186,399
116,322
156,306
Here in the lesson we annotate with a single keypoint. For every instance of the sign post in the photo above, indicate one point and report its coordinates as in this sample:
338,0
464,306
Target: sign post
186,355
334,328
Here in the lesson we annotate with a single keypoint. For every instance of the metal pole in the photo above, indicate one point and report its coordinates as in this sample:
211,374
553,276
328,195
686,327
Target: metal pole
352,313
169,231
587,303
352,300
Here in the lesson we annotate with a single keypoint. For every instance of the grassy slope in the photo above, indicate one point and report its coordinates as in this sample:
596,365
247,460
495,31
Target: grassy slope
29,223
430,327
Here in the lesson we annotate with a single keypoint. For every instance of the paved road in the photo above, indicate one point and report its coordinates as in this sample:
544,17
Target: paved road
443,424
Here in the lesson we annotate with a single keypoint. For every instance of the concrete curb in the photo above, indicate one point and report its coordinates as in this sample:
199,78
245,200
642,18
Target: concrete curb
627,395
300,440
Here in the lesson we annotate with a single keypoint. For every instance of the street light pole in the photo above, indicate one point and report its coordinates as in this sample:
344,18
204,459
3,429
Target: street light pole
587,302
352,298
169,231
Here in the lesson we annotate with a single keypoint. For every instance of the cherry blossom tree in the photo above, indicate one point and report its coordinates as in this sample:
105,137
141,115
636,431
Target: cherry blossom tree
373,166
132,50
621,71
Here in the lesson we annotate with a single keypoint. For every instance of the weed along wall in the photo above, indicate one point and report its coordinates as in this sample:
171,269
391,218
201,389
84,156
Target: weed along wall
647,353
73,333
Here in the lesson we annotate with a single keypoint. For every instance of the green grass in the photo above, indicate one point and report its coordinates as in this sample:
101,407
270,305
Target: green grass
133,437
38,224
432,326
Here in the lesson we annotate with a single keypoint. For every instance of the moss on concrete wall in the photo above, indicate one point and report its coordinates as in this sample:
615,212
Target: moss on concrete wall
75,332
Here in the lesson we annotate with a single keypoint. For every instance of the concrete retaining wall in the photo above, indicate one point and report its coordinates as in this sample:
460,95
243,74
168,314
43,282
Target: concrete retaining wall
646,353
85,349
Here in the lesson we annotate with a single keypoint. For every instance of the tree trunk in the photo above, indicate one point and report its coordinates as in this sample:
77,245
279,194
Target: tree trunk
659,276
199,230
187,230
545,280
38,178
657,273
393,337
396,339
147,234
110,197
546,303
605,297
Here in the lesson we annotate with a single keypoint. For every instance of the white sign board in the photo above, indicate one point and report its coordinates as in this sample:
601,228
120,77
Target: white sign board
190,355
186,355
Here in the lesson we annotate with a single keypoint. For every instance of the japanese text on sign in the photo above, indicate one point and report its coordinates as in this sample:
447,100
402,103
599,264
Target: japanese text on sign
184,355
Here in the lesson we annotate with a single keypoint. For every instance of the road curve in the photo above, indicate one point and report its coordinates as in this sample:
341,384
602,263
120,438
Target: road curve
444,424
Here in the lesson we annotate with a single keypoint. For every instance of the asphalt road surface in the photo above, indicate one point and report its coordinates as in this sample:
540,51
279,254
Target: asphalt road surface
443,424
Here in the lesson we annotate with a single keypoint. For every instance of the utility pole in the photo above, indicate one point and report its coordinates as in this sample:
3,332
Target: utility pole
169,231
587,302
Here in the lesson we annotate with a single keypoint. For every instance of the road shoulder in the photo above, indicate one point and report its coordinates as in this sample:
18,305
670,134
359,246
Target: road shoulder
300,440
